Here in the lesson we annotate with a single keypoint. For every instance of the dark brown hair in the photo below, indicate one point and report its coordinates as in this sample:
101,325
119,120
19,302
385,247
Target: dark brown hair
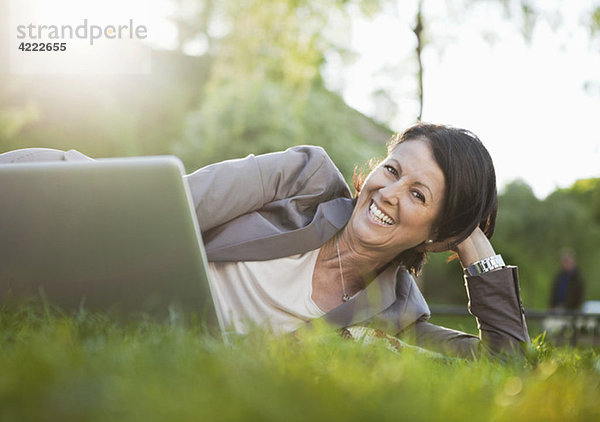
470,197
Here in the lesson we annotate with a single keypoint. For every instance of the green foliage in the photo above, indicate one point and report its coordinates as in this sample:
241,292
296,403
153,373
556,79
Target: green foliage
89,368
102,116
265,91
595,21
265,117
257,89
13,119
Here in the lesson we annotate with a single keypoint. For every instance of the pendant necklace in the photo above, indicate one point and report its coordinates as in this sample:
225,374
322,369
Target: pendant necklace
345,296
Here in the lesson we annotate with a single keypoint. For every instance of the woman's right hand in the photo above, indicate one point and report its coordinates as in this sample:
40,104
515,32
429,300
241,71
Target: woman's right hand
474,248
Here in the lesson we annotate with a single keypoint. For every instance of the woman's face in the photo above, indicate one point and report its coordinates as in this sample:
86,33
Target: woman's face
399,201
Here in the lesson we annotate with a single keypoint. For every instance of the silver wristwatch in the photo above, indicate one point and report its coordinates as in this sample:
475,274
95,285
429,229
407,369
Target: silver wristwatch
485,265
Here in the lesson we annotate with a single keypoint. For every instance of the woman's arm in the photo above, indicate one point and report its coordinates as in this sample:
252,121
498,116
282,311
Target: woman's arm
495,302
474,248
226,190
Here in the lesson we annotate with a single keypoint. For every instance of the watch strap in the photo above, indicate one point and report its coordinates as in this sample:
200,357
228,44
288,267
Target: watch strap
485,265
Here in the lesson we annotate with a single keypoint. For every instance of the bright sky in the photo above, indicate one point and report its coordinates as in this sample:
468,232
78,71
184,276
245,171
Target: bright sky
526,102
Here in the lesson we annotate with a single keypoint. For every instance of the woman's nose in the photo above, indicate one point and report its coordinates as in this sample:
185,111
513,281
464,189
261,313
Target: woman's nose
390,193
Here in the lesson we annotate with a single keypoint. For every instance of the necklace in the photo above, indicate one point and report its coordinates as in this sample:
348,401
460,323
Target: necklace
345,296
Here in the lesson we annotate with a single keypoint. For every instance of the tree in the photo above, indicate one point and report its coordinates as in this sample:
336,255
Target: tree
265,90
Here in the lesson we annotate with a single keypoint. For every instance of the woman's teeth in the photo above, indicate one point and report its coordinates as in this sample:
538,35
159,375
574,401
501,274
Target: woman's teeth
379,216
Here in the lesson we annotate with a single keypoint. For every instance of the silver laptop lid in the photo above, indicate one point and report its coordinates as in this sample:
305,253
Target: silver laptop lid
113,234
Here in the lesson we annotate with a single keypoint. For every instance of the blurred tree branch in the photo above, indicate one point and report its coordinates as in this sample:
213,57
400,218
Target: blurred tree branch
418,31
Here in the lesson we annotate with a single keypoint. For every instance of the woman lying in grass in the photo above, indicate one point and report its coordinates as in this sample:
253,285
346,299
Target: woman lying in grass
288,244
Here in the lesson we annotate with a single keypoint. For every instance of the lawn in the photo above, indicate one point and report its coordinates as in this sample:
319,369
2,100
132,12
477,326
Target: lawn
90,368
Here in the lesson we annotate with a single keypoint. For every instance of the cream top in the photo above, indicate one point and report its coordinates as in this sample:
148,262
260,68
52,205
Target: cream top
274,293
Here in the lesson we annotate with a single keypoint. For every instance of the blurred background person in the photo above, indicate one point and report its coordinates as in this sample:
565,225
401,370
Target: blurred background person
568,286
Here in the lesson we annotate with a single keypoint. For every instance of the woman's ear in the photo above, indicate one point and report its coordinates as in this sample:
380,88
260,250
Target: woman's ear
429,243
440,245
423,247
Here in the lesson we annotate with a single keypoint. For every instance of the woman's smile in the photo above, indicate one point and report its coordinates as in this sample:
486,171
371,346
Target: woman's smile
378,216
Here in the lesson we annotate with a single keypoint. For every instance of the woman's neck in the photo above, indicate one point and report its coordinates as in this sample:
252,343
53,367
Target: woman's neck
340,275
359,265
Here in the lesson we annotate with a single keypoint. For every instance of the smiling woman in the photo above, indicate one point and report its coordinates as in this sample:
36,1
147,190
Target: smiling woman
287,243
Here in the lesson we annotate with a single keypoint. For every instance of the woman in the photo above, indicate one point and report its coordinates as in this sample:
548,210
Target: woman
287,243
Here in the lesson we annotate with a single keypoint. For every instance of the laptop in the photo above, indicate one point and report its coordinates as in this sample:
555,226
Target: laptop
117,235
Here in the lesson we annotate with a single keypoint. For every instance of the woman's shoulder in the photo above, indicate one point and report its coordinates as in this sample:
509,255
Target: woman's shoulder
301,167
316,158
312,152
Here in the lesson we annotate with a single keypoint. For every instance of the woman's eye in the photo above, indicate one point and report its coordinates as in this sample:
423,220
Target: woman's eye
391,170
419,196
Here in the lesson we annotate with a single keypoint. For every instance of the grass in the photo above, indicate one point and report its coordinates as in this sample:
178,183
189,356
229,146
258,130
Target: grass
90,368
